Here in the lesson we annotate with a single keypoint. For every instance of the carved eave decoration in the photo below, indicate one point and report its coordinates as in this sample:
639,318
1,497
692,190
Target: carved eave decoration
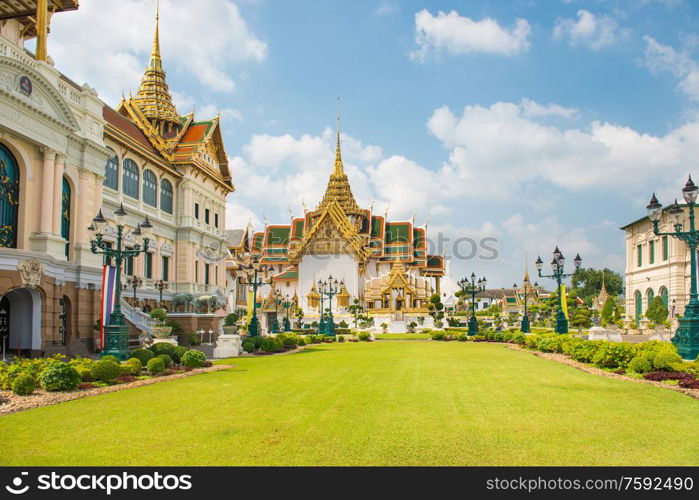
129,109
333,231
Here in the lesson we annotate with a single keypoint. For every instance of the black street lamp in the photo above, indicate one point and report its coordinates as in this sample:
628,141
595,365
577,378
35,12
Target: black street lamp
255,282
277,297
287,304
473,288
117,332
160,285
557,266
686,337
328,289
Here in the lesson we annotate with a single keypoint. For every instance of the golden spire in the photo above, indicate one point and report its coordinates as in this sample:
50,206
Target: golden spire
526,269
338,186
153,97
339,170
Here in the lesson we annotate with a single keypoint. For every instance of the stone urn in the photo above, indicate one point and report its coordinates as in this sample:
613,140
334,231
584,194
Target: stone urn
230,329
162,331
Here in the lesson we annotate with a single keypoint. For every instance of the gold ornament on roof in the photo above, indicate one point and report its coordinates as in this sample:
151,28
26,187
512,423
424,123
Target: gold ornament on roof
153,97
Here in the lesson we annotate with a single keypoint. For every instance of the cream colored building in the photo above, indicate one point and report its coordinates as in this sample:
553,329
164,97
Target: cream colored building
655,266
64,155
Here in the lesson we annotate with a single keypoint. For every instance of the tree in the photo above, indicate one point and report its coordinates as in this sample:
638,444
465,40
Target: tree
587,283
436,307
356,309
581,317
608,311
657,311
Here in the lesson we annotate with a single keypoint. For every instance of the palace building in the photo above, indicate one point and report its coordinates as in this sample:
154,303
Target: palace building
382,264
655,266
64,155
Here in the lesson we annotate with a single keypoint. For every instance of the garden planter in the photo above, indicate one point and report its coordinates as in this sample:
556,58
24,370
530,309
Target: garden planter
162,331
230,329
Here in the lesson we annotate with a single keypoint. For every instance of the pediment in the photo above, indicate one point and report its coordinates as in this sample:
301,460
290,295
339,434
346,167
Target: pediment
27,86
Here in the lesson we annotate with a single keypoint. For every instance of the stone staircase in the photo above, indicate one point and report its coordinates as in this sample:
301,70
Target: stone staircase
140,321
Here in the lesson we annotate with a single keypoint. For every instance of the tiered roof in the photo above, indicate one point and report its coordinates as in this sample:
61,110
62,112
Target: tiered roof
367,235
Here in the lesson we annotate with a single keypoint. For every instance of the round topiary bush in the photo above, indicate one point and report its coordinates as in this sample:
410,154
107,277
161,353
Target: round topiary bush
60,377
24,385
300,342
143,355
666,360
132,366
179,351
462,337
106,370
166,359
249,346
290,342
639,364
269,344
163,348
193,359
156,365
109,357
85,373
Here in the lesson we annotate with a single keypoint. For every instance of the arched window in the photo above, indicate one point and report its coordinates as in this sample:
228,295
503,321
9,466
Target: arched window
9,198
150,188
111,172
664,295
639,306
129,180
65,214
650,295
166,196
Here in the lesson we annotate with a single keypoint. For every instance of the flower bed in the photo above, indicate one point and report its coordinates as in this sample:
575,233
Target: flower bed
11,403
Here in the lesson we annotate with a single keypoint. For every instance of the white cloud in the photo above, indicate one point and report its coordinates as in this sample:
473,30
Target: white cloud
533,109
88,48
494,151
659,57
592,31
386,7
457,35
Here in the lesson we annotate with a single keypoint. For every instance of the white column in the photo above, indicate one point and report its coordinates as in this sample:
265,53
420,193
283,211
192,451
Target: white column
46,222
59,167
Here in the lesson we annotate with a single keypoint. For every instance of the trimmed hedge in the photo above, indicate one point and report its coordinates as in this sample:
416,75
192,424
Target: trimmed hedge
24,385
143,355
60,377
193,359
156,365
106,370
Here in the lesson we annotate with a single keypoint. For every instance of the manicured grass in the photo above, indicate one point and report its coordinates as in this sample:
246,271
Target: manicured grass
380,403
402,336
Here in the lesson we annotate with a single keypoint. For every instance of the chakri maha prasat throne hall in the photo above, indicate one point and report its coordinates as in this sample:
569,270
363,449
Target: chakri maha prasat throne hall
384,265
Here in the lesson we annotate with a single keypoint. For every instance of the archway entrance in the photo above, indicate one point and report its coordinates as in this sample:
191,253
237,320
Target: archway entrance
22,314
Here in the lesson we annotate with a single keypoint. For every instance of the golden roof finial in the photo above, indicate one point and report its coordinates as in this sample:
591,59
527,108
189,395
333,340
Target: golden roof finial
339,189
153,97
338,171
526,268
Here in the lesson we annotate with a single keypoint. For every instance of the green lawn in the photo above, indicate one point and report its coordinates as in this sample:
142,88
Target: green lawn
402,336
381,403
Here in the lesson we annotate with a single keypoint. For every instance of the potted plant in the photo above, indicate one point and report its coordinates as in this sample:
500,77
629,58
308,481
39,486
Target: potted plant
411,327
230,324
384,327
160,329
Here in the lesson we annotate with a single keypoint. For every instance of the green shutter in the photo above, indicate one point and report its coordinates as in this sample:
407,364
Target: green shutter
639,259
9,198
65,214
652,251
666,249
166,269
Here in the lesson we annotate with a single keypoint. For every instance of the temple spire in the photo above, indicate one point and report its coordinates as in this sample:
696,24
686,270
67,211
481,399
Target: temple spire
339,189
339,170
153,97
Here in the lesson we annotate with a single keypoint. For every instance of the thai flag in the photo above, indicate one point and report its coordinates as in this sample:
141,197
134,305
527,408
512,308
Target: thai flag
108,298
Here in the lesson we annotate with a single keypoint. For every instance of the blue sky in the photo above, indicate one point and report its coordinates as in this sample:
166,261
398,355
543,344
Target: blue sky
535,122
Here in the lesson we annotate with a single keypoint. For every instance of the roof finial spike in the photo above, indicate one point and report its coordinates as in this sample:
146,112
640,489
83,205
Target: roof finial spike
339,170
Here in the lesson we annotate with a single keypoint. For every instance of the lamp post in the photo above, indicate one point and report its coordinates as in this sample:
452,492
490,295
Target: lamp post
287,304
255,282
134,282
686,337
160,285
524,326
557,266
473,288
329,289
277,297
117,332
